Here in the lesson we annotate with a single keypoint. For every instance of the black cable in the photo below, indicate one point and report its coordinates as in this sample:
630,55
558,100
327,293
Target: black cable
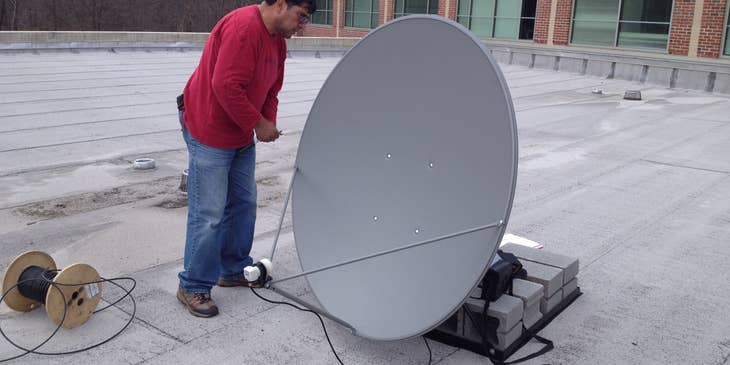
305,310
429,349
35,283
128,293
63,318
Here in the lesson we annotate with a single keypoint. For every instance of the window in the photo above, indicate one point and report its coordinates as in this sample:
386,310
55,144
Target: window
727,36
513,19
361,13
407,7
323,15
622,23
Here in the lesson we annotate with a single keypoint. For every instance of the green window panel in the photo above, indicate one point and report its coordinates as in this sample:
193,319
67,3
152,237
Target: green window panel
482,18
406,7
361,13
512,19
594,22
645,24
463,14
635,35
594,33
323,15
507,19
623,23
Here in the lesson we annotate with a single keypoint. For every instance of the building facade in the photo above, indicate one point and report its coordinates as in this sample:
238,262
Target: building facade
692,28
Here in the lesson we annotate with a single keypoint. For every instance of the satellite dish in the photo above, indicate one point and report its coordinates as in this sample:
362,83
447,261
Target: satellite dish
406,171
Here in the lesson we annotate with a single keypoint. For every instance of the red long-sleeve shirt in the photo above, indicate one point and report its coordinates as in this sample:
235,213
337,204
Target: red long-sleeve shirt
237,81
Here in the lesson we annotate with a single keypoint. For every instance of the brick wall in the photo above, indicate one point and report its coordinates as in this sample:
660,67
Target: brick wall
453,9
447,8
564,13
542,21
387,10
318,30
713,24
681,29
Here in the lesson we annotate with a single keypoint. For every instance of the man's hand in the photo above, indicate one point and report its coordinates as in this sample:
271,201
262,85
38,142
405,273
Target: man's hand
266,130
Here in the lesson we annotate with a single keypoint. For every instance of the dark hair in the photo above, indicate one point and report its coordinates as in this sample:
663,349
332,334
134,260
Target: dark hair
311,4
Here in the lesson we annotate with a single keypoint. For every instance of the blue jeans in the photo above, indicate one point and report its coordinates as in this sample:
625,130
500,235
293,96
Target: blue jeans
221,214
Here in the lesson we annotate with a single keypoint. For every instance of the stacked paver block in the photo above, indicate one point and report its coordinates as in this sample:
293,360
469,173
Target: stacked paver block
550,279
508,310
556,273
530,293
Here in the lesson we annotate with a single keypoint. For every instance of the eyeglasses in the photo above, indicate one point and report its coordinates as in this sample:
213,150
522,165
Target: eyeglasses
304,20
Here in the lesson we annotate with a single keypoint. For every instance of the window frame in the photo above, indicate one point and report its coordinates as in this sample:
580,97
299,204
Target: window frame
353,12
618,27
397,14
494,18
725,49
325,10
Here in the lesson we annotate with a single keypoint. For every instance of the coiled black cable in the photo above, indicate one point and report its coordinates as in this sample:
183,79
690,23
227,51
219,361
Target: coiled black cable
34,283
56,286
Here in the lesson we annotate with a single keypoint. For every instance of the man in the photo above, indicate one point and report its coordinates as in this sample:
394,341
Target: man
230,96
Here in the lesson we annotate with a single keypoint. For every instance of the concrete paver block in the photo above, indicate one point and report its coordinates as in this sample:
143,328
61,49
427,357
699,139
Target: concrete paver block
509,337
532,314
528,291
569,265
504,339
548,276
570,287
548,304
507,309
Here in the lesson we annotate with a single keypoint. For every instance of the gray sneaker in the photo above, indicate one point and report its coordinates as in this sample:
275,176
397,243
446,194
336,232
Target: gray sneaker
198,304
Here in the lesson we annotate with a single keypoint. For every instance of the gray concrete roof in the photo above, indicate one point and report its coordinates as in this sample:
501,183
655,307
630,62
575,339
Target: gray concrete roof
638,191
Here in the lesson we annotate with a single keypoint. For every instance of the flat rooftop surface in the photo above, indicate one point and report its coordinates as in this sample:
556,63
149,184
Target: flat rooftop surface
639,191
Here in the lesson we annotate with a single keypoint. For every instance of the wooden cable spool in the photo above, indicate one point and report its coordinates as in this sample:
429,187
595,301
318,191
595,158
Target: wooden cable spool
59,291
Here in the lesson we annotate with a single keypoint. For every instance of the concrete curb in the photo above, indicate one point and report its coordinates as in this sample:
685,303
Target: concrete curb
645,67
711,75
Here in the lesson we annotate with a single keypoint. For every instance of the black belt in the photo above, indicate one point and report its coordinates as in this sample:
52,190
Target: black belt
180,103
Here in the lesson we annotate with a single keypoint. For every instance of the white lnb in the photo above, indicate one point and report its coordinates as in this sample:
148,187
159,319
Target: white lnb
267,264
254,272
251,273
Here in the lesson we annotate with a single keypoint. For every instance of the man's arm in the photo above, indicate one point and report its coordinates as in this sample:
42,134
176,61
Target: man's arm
234,70
271,104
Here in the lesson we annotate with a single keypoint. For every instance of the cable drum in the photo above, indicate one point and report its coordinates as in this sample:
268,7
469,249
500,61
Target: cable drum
70,296
78,294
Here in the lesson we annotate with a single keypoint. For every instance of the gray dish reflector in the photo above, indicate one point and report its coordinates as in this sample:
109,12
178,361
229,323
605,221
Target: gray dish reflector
411,137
